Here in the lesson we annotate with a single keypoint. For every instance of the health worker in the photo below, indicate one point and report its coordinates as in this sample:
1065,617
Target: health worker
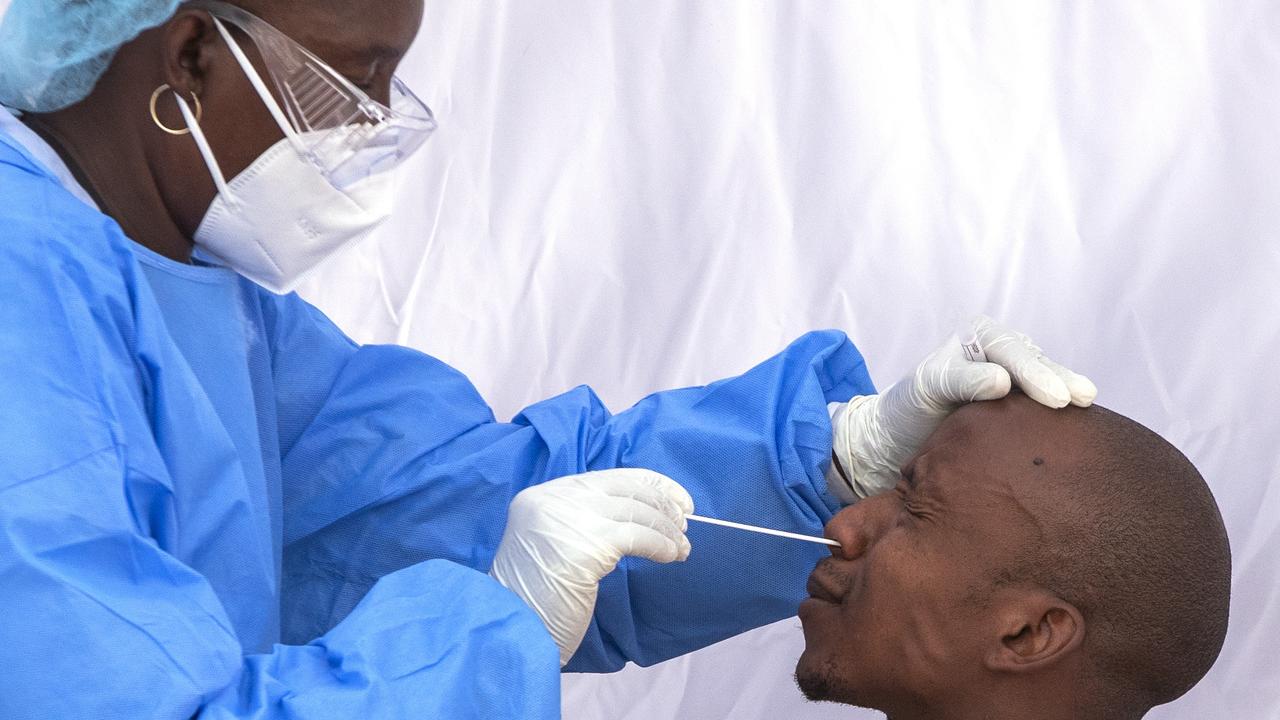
213,504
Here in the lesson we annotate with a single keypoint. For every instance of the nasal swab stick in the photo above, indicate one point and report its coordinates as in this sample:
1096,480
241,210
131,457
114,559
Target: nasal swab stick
766,531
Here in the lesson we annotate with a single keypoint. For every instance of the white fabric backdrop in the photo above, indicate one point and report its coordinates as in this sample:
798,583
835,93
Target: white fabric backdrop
640,196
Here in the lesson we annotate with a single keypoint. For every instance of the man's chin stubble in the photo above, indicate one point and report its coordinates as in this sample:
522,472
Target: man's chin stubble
823,685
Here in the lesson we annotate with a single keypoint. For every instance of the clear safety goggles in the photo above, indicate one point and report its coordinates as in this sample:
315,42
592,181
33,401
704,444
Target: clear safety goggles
345,133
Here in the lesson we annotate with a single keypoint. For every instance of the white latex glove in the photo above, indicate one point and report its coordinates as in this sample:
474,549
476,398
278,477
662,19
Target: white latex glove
566,534
874,435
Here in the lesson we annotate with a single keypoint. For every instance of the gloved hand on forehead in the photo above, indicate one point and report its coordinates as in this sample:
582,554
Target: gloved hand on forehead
874,435
566,534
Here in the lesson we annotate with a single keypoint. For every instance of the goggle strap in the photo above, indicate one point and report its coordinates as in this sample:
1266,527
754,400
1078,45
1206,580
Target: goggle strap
267,98
203,143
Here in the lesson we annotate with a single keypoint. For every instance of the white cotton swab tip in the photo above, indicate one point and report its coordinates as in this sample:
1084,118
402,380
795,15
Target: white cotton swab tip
764,531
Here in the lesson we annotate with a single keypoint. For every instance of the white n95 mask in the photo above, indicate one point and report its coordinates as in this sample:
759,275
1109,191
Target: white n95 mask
281,217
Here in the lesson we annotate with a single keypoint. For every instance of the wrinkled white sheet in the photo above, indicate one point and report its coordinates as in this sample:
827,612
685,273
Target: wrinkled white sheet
646,195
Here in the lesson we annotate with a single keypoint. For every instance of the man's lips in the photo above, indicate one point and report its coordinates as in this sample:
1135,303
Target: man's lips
822,588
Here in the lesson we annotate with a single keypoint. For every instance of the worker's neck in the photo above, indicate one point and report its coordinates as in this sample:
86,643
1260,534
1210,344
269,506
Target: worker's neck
107,157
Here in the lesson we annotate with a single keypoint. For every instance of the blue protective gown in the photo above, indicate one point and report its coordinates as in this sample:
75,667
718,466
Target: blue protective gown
213,503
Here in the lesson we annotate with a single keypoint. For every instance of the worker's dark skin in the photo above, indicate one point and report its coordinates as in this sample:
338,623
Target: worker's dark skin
156,185
968,502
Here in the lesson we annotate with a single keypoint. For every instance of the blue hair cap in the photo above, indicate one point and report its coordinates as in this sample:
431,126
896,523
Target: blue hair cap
52,52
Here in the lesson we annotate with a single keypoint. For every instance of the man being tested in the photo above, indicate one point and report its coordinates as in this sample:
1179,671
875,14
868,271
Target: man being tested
1064,564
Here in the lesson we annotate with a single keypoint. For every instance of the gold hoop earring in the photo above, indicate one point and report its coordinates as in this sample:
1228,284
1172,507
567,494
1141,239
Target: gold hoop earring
156,118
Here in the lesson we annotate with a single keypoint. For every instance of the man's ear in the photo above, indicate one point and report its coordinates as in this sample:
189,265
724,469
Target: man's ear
1033,629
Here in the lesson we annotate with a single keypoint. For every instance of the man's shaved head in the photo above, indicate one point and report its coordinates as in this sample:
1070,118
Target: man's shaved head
1033,563
1133,538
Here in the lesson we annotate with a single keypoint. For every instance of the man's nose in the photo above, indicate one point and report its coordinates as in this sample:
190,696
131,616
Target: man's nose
860,525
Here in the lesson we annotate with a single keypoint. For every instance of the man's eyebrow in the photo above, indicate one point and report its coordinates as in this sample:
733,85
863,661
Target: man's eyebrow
923,481
910,476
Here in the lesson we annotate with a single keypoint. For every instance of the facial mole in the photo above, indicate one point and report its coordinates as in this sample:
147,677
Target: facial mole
1038,461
